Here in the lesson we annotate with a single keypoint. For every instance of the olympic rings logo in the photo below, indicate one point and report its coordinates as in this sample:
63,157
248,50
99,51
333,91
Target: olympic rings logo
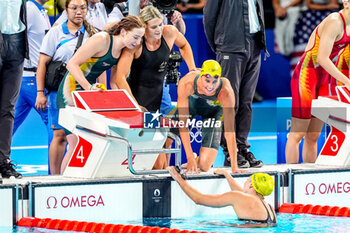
196,134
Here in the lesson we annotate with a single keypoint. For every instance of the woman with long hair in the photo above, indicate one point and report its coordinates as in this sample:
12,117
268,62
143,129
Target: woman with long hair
100,53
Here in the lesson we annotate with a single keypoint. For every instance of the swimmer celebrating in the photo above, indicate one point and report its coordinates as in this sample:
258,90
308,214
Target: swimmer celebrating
205,93
248,202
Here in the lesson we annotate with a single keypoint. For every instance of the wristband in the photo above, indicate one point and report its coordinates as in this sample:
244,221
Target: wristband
91,86
40,91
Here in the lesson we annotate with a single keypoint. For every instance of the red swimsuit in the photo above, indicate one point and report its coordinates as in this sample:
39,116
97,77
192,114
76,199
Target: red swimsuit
309,79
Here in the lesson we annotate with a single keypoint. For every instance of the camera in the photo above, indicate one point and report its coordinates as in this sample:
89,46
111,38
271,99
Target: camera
166,7
172,73
122,5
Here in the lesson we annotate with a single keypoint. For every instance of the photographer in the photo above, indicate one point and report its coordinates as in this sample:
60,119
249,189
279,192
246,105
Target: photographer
148,62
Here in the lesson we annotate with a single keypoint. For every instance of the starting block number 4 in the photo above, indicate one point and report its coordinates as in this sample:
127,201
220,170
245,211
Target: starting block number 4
334,142
81,153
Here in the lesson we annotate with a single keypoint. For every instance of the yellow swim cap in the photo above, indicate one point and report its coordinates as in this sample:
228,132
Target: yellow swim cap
212,68
263,183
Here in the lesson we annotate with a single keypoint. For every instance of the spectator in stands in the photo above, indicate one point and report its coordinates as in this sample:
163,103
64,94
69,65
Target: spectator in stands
38,24
191,6
13,50
96,15
311,16
248,202
287,13
237,44
59,45
311,80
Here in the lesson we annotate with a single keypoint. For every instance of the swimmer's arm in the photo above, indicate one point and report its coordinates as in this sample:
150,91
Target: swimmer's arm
123,68
90,48
102,79
227,99
218,200
231,181
113,76
185,49
329,35
183,93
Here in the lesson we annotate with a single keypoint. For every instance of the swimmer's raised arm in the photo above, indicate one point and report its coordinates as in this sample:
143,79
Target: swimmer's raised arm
231,181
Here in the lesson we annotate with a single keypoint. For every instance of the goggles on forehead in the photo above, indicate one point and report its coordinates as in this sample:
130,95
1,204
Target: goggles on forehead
210,76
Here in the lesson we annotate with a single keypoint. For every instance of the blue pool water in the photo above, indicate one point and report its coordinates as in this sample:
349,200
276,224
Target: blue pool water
286,223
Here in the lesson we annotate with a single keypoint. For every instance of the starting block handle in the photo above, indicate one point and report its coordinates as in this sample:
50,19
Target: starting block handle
176,151
130,152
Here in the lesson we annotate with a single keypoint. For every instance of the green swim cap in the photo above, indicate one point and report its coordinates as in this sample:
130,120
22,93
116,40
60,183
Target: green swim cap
263,183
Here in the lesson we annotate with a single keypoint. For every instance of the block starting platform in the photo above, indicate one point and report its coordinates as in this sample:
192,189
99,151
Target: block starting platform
108,138
335,111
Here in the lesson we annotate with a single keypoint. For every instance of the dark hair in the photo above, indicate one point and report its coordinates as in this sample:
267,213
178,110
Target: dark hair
128,23
88,27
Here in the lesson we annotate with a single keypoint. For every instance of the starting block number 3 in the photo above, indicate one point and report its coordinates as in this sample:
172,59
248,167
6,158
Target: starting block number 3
334,142
81,153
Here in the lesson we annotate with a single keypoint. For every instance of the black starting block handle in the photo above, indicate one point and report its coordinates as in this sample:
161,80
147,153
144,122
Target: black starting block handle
176,151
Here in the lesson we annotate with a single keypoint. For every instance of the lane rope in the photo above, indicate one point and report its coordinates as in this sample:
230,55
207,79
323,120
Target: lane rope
82,226
326,210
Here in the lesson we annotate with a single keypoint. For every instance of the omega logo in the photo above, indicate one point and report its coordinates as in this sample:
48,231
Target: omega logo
330,188
72,202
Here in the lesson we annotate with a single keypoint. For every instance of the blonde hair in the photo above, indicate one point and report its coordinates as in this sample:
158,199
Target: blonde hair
150,12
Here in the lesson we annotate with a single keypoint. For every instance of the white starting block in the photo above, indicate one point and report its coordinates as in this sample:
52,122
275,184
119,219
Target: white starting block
335,111
108,138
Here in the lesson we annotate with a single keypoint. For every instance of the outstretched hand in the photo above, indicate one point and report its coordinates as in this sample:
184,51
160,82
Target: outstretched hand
239,171
220,171
98,87
176,176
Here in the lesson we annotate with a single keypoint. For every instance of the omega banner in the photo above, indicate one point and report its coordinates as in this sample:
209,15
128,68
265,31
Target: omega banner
323,188
7,216
89,202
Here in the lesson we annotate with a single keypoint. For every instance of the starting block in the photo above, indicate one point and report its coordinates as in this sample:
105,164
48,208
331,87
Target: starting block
335,111
108,138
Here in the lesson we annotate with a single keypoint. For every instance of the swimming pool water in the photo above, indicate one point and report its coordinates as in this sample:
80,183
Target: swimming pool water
286,223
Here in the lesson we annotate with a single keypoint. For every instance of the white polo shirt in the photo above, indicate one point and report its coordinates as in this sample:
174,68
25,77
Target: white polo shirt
60,44
38,24
96,17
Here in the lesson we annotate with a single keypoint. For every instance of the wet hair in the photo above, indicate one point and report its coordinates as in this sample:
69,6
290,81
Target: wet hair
88,27
150,12
128,23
